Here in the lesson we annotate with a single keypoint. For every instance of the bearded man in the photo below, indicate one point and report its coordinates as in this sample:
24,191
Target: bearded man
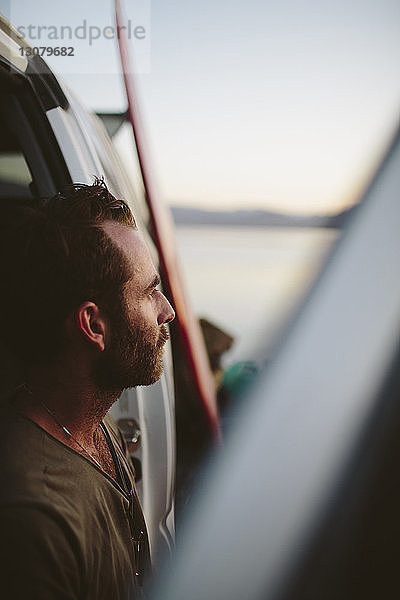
82,313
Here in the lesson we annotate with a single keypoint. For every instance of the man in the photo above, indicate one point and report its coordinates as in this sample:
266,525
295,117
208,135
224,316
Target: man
81,310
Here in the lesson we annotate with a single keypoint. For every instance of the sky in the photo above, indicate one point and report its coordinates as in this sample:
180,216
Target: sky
258,104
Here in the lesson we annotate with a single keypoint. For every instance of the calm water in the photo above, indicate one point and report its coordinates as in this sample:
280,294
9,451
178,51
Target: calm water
248,280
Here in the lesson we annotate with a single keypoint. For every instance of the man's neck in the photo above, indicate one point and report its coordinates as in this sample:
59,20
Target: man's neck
55,400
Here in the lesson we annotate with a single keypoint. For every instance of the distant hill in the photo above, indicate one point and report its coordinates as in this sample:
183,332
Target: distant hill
256,218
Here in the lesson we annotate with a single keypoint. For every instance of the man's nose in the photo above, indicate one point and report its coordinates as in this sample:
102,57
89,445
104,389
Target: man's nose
167,313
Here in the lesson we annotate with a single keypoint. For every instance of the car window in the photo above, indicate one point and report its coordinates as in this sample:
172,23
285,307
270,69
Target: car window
15,176
30,160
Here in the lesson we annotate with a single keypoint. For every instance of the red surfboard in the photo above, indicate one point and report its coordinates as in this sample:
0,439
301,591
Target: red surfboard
164,238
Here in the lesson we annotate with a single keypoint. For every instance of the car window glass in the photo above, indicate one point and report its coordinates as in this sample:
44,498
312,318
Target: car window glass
15,176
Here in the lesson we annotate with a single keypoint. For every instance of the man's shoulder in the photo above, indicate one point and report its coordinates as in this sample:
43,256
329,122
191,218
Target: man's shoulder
21,440
35,466
22,465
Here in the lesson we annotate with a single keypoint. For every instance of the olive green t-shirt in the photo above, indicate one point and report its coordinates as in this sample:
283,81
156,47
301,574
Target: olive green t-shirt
67,530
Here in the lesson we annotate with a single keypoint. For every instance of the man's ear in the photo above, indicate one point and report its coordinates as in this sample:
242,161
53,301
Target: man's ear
92,324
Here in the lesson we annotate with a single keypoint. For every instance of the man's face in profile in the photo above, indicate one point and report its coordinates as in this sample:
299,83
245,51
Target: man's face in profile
137,334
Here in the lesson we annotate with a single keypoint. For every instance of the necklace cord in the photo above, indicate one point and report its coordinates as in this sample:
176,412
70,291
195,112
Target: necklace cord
69,434
63,427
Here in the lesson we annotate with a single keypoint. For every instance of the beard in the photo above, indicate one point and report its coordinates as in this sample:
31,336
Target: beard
132,357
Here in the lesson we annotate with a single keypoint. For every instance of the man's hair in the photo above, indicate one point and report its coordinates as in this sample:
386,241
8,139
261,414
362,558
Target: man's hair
54,255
